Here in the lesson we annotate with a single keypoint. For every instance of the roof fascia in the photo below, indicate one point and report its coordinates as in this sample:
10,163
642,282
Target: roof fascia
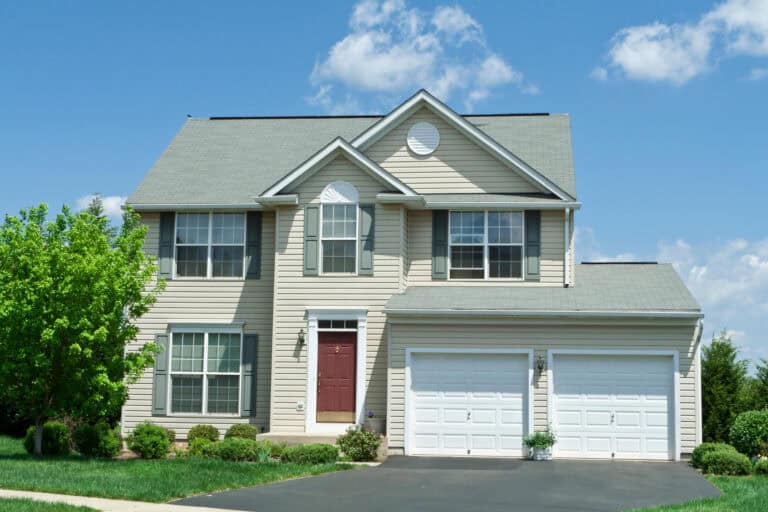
447,205
548,313
325,155
375,132
192,206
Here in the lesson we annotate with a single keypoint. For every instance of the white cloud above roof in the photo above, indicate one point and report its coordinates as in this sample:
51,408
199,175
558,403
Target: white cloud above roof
678,52
392,49
112,204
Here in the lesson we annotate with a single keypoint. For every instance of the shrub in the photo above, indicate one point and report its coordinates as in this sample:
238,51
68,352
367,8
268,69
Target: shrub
149,441
56,439
750,431
359,444
237,449
203,431
310,454
171,434
197,446
761,468
726,462
542,439
242,430
276,449
763,450
97,440
704,448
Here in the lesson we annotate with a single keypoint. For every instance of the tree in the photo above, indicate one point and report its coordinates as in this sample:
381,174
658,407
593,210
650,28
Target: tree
723,377
760,386
70,291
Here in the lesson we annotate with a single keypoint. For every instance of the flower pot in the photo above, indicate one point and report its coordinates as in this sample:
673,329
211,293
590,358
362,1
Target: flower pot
375,425
541,453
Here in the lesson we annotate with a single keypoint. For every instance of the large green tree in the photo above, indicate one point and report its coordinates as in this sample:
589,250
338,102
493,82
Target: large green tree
70,290
723,377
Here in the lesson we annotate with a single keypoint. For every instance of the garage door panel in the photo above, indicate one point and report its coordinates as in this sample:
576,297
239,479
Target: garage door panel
613,405
468,404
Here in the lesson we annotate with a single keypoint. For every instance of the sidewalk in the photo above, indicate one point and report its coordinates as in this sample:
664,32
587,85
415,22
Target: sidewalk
103,504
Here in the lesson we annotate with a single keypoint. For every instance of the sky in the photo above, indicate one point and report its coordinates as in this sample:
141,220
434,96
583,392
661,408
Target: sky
668,104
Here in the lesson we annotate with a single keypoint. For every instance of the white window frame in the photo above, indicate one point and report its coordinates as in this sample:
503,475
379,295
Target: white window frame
210,245
321,271
205,331
486,250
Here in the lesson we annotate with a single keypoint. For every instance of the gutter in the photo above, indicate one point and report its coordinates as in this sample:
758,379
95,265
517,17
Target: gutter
191,206
547,313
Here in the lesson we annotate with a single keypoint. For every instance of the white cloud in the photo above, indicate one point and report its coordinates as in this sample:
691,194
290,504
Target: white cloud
393,49
757,74
730,281
112,204
588,247
599,73
678,52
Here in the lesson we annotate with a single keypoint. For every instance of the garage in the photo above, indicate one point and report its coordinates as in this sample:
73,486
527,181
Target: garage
618,406
467,404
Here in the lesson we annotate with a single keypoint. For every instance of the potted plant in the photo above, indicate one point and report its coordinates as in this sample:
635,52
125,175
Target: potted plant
540,444
373,423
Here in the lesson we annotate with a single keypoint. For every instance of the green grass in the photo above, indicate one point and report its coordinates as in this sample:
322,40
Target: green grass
740,494
143,480
23,505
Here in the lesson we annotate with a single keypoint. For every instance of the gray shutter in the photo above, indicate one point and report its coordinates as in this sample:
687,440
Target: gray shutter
311,240
532,245
165,253
248,379
253,245
440,244
160,378
367,239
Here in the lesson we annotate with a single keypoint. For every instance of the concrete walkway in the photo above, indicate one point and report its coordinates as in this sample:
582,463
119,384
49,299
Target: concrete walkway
103,504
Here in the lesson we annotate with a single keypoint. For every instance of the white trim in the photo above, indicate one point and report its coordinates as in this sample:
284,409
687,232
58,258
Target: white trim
314,315
490,205
697,384
674,354
567,259
373,133
543,313
281,200
451,350
191,206
325,155
205,330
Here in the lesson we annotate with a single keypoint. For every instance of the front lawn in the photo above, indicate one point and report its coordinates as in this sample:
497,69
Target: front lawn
740,494
143,480
21,505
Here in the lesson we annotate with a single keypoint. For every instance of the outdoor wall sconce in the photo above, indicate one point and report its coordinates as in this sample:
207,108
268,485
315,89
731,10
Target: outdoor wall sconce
301,337
541,364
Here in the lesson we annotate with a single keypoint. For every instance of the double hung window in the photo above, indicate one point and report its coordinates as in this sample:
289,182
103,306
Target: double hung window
486,245
210,245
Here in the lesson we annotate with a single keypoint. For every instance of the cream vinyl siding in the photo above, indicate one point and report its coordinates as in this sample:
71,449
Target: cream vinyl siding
419,267
541,336
458,165
295,292
208,301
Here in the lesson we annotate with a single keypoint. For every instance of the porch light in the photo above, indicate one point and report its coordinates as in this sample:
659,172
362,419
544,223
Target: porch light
301,337
541,364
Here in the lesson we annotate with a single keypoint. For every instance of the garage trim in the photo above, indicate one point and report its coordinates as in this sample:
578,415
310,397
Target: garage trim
617,352
407,414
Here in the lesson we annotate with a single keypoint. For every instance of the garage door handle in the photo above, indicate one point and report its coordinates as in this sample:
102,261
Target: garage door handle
469,415
613,417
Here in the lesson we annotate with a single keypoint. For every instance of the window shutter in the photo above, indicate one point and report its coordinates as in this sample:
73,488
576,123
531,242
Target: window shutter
160,378
165,252
311,240
253,245
532,245
248,379
440,244
367,239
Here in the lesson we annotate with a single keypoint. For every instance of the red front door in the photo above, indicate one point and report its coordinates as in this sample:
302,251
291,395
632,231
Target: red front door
336,362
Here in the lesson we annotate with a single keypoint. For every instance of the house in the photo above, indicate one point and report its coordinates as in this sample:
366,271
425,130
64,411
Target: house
417,267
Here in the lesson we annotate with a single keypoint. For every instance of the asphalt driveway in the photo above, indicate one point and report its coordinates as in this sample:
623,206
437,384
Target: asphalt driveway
453,485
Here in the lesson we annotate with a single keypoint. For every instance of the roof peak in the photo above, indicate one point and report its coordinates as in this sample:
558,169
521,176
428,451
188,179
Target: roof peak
239,118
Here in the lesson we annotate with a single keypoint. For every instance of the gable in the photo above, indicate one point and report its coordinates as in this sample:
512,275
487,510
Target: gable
458,165
338,169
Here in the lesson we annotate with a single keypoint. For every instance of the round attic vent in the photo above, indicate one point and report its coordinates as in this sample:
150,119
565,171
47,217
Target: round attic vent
423,138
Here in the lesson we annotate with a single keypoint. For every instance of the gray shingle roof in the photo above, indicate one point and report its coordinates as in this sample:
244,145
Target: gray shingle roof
598,288
501,199
228,161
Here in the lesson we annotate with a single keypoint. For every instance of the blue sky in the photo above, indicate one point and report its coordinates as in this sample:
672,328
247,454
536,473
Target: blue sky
669,102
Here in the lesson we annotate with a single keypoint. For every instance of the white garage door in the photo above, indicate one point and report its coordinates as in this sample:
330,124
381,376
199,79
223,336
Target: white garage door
470,405
613,406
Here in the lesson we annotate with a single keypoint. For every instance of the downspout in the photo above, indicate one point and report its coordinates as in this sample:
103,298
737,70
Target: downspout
697,375
567,261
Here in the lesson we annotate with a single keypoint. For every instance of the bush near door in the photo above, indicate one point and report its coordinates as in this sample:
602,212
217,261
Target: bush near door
203,431
242,430
359,444
150,441
310,454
